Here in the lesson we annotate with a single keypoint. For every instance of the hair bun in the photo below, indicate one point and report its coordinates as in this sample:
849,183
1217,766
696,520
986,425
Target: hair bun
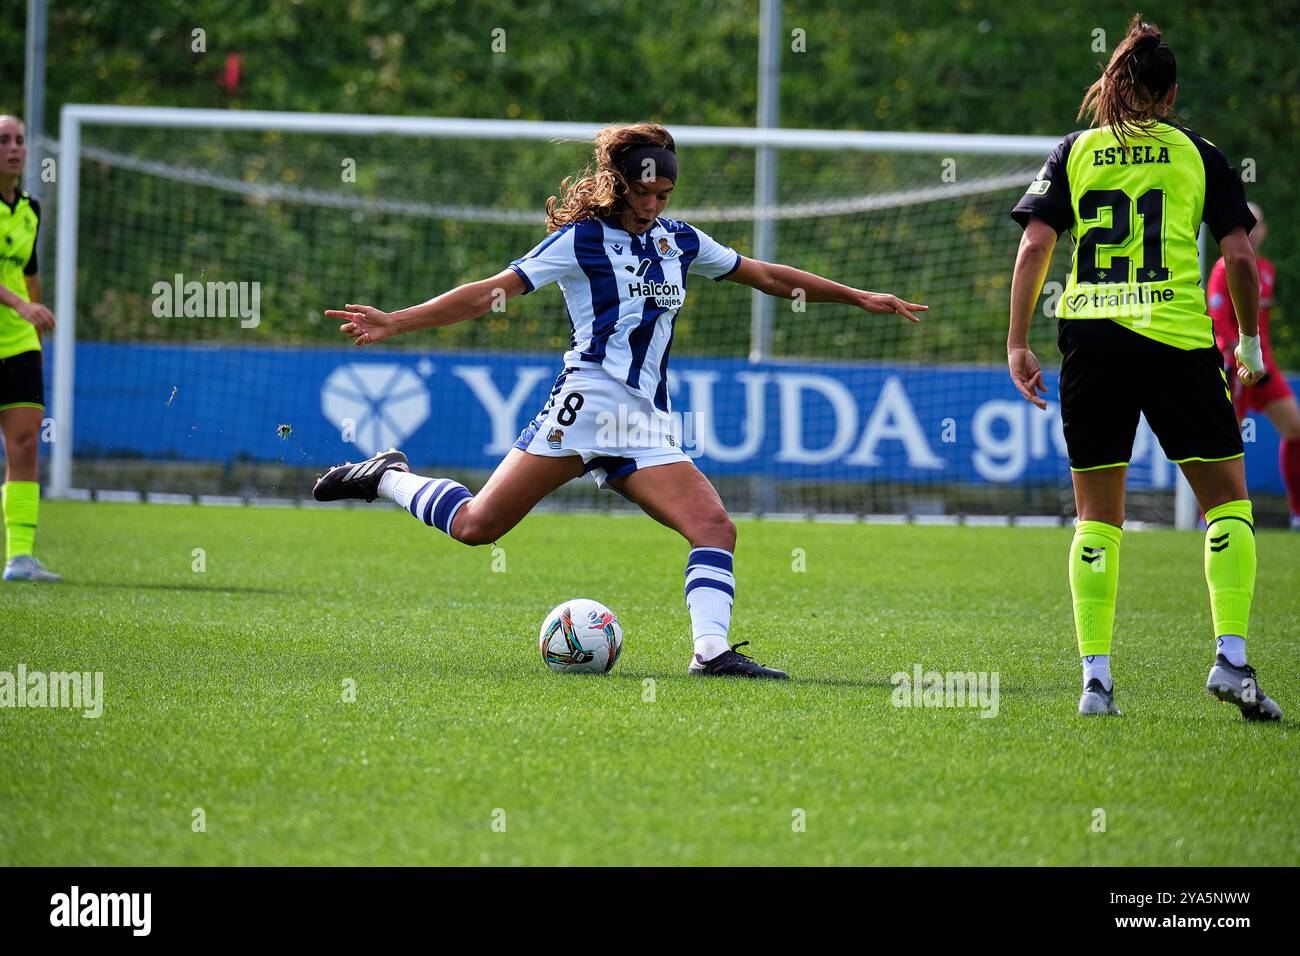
1147,42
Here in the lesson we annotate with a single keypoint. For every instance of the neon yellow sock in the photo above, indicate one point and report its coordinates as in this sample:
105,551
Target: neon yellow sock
22,500
1094,579
1230,565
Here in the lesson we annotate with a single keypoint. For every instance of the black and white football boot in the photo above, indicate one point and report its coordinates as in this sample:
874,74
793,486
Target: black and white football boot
732,663
1240,686
360,480
1096,699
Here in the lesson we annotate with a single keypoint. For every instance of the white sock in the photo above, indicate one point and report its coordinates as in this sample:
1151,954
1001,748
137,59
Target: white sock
400,486
709,646
1098,666
1233,647
710,590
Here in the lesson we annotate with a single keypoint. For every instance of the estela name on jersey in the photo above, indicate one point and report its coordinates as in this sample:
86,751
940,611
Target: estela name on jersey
1130,155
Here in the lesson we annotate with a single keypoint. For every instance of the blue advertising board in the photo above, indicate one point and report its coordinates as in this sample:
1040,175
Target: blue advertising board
801,421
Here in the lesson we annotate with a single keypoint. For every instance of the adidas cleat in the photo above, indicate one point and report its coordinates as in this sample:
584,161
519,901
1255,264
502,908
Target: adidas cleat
360,480
24,567
732,663
1098,700
1240,686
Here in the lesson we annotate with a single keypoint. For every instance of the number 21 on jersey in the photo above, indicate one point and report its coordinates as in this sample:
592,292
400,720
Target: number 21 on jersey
1095,264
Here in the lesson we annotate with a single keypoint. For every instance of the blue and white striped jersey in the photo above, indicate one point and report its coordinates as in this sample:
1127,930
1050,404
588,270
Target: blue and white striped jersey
623,292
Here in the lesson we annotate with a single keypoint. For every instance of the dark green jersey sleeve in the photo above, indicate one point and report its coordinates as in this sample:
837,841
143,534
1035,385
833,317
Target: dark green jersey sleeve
1225,196
1048,196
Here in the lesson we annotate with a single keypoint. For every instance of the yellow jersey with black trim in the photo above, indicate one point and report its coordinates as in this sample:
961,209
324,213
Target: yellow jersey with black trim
19,224
1134,208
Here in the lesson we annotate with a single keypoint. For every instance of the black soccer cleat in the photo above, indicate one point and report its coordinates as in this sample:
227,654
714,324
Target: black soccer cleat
360,480
732,663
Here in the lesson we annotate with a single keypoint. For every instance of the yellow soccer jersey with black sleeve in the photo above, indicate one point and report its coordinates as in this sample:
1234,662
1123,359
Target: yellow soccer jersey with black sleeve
1134,209
18,227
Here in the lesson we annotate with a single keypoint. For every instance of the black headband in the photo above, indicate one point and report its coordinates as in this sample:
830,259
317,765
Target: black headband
647,162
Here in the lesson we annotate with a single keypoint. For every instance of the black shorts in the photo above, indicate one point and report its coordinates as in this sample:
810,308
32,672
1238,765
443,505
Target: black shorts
1110,374
22,379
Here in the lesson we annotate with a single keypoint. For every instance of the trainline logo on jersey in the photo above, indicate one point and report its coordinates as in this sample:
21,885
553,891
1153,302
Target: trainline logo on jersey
208,300
666,295
1120,300
75,908
73,690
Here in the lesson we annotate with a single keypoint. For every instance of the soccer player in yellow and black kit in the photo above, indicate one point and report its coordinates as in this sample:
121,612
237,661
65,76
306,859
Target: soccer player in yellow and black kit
22,385
1135,338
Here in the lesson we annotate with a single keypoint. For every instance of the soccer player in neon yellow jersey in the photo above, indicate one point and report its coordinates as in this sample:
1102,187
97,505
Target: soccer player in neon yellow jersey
1135,338
22,384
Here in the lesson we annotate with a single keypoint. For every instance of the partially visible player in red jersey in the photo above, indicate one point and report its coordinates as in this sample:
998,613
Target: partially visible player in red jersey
1271,394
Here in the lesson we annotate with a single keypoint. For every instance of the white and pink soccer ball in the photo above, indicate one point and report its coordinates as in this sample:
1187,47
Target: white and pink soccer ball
581,637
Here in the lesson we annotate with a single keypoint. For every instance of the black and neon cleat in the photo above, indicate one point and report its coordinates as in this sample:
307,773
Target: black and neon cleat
732,663
360,480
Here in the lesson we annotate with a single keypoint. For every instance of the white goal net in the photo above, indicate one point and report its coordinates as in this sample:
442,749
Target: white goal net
208,244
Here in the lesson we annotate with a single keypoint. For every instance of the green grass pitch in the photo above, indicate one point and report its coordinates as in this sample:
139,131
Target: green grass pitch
224,690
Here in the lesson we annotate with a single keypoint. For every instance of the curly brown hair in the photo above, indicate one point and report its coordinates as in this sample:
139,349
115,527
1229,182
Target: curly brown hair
601,190
1131,94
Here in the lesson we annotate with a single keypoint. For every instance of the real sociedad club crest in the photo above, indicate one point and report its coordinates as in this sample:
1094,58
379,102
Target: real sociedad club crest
375,405
667,250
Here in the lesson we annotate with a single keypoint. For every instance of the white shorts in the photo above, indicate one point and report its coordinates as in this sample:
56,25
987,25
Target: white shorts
615,430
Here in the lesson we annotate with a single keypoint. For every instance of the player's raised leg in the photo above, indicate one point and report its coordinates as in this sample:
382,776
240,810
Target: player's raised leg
679,496
1220,488
1094,579
22,494
519,483
515,488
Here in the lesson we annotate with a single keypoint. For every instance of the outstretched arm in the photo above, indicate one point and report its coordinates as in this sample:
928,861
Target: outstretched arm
367,325
785,282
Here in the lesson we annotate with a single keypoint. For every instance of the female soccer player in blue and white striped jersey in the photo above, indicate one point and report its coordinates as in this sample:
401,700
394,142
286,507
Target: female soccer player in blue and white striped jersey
623,271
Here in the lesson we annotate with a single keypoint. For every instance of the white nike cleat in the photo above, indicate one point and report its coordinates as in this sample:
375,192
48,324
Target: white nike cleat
24,567
1098,700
